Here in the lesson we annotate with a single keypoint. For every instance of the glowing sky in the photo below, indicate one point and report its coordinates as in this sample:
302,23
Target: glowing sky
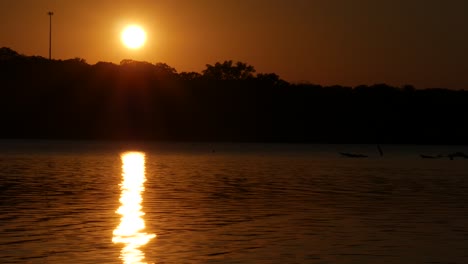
346,42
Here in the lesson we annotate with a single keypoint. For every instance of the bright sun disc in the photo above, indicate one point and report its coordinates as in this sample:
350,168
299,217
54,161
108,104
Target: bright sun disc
133,37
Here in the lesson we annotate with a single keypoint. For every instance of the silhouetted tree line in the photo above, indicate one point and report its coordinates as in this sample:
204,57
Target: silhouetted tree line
229,101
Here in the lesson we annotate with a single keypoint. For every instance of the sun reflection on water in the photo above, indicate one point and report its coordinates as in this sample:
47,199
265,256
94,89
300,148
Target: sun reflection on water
130,230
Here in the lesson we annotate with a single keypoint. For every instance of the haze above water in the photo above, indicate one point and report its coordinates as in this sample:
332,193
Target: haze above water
71,202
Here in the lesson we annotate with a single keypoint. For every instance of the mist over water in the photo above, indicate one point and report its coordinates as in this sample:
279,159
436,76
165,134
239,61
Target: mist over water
61,202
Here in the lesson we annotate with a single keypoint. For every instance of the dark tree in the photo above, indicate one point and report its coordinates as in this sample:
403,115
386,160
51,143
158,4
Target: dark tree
71,99
228,71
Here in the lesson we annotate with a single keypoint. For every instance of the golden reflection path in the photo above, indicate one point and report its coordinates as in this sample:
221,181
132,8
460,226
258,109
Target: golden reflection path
130,230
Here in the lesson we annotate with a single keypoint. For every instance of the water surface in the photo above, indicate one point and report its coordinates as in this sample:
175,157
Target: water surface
233,203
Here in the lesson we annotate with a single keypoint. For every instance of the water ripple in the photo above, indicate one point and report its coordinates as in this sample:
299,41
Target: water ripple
235,207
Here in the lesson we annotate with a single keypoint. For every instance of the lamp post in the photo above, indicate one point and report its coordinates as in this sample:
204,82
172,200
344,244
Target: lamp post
50,34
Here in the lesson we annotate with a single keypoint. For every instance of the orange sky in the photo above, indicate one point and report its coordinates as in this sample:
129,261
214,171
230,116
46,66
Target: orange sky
419,42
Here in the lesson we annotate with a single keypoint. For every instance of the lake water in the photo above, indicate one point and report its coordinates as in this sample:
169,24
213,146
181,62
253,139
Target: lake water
86,202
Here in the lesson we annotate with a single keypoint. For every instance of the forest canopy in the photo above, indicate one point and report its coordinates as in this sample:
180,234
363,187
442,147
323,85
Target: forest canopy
227,101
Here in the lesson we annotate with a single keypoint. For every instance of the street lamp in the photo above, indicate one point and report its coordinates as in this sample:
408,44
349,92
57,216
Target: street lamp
50,34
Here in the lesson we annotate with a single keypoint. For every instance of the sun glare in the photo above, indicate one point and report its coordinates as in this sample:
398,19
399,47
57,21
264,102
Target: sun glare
130,231
133,37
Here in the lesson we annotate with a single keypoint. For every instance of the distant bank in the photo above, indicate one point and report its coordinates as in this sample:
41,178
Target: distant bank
229,101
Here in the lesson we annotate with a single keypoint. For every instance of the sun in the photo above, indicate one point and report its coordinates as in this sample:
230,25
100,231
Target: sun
133,36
